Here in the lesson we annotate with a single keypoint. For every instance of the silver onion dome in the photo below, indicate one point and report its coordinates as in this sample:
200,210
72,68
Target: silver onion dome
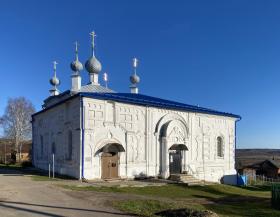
93,66
54,81
134,79
76,66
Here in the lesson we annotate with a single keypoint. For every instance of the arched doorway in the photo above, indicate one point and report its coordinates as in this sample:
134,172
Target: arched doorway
110,160
173,136
175,158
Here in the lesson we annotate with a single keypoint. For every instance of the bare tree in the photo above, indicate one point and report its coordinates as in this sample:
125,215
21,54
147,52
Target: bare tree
16,121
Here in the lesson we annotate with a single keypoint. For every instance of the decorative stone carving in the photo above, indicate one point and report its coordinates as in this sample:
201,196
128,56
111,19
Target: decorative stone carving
131,140
140,148
197,147
176,136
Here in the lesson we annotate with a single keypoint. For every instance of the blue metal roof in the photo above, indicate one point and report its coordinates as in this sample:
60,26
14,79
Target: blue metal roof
143,100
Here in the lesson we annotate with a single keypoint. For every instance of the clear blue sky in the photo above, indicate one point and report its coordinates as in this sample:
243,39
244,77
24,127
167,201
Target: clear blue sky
223,55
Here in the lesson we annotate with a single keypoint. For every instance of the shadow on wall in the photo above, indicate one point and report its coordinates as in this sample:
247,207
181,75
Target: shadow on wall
229,180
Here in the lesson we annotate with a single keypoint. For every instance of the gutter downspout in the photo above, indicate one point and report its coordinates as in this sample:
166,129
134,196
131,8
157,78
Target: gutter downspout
203,160
32,144
239,119
82,147
146,141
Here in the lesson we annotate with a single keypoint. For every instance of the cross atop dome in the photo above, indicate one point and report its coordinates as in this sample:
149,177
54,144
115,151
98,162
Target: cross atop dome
93,66
93,35
76,50
54,66
134,63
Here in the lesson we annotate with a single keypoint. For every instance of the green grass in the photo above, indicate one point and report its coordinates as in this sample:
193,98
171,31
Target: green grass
148,208
180,191
223,199
43,178
11,166
145,208
93,188
259,208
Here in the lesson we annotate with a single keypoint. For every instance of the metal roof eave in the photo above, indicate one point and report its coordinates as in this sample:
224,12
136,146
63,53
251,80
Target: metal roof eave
175,106
155,102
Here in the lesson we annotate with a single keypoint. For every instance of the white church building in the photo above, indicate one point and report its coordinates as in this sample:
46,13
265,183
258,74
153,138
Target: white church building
94,132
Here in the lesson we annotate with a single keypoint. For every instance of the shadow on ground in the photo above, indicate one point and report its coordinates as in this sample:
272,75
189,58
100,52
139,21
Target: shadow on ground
27,207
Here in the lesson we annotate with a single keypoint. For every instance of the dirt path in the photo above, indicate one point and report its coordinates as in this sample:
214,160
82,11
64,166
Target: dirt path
20,196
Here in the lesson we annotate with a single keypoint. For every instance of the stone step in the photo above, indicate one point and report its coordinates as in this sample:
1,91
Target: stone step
195,183
182,177
185,178
190,180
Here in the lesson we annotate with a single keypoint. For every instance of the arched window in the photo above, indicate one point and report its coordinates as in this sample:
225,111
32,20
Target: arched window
70,145
220,148
42,146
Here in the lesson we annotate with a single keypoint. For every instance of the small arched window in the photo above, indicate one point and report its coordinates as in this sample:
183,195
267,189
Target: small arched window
70,145
220,147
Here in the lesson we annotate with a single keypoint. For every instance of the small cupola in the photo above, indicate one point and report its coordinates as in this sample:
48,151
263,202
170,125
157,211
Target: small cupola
54,81
134,78
76,67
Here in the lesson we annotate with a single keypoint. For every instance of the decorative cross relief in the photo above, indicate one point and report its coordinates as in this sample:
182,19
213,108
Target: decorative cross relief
130,151
140,150
136,148
197,150
140,121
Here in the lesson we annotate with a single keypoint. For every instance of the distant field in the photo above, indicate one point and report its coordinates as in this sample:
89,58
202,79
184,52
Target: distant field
246,157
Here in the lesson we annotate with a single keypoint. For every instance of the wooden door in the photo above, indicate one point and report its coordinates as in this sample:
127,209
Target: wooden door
175,162
110,163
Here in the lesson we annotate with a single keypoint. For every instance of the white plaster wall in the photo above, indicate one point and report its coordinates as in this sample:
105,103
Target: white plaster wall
135,128
53,125
202,157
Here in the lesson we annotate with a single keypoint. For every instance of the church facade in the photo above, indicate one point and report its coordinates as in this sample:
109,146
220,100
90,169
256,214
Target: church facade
93,132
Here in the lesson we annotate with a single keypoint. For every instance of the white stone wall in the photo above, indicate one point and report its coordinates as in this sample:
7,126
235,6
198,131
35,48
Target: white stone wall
146,135
53,125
